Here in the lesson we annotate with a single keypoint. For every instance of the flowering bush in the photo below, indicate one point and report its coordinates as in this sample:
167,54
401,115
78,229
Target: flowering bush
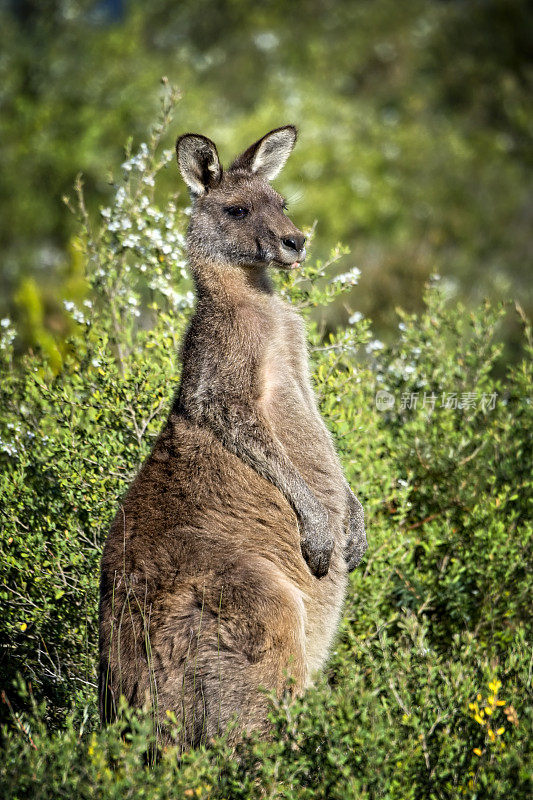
426,691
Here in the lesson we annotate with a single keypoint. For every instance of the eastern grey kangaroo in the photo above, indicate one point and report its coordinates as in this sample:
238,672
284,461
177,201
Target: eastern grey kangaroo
226,566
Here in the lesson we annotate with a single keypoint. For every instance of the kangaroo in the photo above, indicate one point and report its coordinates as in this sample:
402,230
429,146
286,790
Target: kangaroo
225,569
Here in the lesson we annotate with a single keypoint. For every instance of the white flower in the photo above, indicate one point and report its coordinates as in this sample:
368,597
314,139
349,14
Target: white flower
131,241
10,449
72,309
266,40
349,278
374,345
356,317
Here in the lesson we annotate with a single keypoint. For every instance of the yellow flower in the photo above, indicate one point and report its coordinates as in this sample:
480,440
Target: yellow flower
488,710
92,745
494,686
478,698
477,751
23,626
490,699
478,719
492,737
500,731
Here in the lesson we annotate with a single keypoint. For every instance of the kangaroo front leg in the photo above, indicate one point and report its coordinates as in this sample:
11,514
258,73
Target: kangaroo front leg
245,433
355,546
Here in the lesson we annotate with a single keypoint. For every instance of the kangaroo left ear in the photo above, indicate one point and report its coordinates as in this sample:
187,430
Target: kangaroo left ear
266,158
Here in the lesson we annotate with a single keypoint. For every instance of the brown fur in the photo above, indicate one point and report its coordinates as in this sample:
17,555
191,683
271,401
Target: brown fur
226,566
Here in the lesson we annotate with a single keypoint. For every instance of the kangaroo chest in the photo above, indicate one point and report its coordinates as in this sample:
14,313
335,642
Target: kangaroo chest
288,402
285,391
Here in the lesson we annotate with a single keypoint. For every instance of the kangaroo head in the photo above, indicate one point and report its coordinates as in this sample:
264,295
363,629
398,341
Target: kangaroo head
237,217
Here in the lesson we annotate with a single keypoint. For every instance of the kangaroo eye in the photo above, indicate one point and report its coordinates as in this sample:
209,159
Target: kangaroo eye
238,212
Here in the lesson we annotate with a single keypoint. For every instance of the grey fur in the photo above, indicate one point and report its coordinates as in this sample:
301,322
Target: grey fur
226,566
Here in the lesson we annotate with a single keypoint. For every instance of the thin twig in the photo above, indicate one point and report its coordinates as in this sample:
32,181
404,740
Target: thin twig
5,699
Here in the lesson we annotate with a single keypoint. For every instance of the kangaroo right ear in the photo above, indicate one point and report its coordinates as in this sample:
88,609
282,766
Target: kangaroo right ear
198,162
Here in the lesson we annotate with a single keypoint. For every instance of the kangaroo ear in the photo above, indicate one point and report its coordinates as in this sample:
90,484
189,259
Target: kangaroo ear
198,162
268,155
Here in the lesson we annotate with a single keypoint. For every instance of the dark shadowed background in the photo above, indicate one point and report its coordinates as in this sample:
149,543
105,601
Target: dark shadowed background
415,133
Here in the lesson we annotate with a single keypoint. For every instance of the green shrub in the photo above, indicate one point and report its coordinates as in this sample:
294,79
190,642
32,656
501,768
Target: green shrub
426,693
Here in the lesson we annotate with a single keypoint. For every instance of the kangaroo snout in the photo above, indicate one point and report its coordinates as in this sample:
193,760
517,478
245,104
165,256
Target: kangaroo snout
294,242
292,248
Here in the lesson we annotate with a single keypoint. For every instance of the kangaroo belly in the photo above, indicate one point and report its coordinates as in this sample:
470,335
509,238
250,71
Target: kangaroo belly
292,414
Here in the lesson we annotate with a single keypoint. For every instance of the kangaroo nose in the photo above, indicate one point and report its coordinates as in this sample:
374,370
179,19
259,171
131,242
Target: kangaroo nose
294,242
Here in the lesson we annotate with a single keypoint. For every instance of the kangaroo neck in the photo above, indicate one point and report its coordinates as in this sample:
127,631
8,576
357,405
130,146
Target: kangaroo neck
229,284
